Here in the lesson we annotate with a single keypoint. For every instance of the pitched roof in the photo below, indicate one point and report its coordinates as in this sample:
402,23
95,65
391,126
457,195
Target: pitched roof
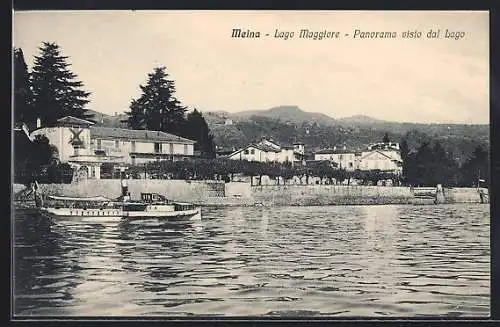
332,151
261,147
134,134
265,148
377,151
74,121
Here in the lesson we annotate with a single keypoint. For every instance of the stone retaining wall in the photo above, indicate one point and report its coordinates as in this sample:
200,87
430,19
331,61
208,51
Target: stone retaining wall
241,193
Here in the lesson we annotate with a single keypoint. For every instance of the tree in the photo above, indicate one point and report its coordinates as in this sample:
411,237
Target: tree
56,92
405,156
136,118
386,138
157,109
23,96
31,157
476,167
196,128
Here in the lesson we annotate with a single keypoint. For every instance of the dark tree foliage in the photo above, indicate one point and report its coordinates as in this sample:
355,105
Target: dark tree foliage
476,168
157,109
224,169
405,155
386,138
458,140
136,116
431,165
23,96
196,129
35,159
56,92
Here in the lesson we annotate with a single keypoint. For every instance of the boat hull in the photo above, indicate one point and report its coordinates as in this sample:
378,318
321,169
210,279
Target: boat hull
118,214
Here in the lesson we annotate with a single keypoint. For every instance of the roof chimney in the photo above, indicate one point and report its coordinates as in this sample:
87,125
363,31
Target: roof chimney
38,122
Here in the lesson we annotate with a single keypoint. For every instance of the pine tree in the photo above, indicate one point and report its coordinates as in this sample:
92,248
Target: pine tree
157,108
56,92
23,96
197,129
136,116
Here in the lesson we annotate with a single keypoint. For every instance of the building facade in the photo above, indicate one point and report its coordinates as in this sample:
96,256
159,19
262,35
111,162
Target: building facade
270,151
343,158
86,146
382,156
379,156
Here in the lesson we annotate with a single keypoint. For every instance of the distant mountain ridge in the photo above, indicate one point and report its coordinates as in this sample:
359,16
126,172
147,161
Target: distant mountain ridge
291,114
318,131
288,124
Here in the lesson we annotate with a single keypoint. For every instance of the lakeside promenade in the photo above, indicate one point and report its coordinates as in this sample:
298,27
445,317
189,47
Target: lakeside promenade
243,194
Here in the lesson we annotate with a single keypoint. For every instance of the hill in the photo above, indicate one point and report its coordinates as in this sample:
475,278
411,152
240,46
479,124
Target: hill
290,114
355,132
288,124
105,120
359,119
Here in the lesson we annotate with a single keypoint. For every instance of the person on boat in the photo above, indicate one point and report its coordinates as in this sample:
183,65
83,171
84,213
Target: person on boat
38,197
125,192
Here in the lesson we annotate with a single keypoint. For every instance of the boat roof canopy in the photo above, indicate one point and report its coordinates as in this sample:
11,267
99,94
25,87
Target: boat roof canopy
86,199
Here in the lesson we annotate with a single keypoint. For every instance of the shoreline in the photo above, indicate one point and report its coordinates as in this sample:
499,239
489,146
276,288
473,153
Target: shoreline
212,193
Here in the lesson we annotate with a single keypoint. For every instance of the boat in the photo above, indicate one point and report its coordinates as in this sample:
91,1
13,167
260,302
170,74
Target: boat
151,205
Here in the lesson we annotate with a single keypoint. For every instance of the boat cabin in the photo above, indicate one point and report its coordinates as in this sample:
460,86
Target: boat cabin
153,197
58,202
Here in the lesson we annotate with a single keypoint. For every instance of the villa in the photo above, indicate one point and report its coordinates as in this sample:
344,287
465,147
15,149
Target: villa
268,150
378,156
86,147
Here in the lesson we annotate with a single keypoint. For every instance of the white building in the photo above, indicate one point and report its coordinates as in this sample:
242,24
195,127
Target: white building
382,156
86,146
343,158
379,156
270,151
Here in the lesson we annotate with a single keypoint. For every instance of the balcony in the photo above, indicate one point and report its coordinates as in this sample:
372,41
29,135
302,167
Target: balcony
95,158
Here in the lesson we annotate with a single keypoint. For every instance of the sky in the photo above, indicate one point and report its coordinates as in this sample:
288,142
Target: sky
426,80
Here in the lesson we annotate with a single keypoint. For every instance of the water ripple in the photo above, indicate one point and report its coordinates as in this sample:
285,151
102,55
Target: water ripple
287,261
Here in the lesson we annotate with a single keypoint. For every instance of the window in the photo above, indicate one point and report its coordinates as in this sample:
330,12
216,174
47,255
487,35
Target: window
133,159
350,164
132,146
99,145
246,151
117,144
157,147
252,151
171,148
185,149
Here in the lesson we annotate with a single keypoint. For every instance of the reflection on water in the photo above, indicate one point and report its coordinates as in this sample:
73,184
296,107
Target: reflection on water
332,261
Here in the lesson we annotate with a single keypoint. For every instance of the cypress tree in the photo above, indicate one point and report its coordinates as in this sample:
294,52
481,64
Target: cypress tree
197,129
23,96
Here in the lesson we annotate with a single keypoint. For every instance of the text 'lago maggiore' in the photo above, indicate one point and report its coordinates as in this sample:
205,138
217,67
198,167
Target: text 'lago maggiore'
356,34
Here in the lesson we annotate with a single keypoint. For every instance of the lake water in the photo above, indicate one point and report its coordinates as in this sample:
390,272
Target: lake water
336,261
